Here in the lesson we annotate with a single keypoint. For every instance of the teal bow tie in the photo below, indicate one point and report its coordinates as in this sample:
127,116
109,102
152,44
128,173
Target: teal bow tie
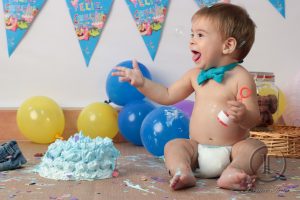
214,73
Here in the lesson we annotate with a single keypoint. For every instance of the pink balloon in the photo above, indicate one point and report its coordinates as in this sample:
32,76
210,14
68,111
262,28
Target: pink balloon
291,114
186,106
226,1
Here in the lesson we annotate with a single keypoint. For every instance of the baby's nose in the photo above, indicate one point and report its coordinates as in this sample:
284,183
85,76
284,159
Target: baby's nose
192,41
191,44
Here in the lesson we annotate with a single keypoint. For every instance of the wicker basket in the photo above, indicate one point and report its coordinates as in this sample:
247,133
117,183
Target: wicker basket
280,140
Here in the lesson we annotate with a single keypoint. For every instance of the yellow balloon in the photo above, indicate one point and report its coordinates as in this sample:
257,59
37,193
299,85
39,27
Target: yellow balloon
98,119
264,91
40,119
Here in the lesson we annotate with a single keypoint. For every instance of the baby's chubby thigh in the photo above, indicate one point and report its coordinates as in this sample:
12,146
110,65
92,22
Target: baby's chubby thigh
248,155
181,154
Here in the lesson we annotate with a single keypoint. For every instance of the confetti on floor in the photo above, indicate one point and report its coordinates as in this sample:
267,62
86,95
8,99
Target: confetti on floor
140,176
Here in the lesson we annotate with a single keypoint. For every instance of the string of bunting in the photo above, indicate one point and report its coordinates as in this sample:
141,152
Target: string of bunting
89,17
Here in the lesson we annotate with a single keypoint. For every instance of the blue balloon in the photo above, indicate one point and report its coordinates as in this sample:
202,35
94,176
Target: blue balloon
130,120
162,125
120,92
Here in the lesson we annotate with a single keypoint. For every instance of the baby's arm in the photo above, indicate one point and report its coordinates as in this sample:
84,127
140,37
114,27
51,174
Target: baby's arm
181,89
245,111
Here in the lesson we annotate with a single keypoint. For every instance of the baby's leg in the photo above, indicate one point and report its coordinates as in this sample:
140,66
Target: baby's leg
247,157
181,157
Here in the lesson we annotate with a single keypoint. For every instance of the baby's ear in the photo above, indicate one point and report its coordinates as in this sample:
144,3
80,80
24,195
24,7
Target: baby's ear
229,45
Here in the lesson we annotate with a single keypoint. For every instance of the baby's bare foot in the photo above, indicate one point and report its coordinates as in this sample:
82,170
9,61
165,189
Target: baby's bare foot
235,179
182,180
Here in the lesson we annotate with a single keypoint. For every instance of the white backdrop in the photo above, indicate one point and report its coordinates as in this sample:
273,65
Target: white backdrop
49,61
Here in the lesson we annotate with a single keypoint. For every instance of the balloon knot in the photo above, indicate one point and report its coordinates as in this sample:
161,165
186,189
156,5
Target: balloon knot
107,101
59,137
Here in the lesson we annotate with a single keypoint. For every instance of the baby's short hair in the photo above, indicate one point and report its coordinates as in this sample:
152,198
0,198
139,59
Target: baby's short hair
232,21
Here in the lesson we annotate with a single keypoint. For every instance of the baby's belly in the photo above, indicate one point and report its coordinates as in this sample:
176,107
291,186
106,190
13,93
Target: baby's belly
206,129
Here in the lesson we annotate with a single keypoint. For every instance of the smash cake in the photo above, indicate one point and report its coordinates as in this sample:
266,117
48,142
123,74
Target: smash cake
79,158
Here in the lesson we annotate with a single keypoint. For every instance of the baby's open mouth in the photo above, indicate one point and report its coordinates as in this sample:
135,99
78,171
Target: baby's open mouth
196,56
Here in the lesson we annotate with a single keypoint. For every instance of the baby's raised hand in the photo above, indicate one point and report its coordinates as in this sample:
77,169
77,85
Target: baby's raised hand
134,76
236,111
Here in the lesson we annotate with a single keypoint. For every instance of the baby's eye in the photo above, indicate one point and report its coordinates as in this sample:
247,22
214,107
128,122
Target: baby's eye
199,35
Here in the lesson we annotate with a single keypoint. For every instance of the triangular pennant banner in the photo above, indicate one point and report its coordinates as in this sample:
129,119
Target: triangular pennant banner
279,5
149,17
208,3
202,3
89,17
18,16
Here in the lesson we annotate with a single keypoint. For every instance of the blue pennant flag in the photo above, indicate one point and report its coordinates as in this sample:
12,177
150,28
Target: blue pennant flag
208,3
89,18
279,5
149,17
18,16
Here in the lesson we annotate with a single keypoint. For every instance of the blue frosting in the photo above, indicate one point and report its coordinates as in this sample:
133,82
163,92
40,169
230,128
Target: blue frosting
79,158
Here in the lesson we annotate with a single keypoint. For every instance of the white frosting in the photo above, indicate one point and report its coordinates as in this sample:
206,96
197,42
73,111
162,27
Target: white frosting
79,158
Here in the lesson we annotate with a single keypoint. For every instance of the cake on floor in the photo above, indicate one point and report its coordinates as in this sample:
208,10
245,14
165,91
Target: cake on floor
79,158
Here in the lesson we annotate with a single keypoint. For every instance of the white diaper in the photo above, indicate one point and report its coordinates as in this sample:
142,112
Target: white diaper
212,160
